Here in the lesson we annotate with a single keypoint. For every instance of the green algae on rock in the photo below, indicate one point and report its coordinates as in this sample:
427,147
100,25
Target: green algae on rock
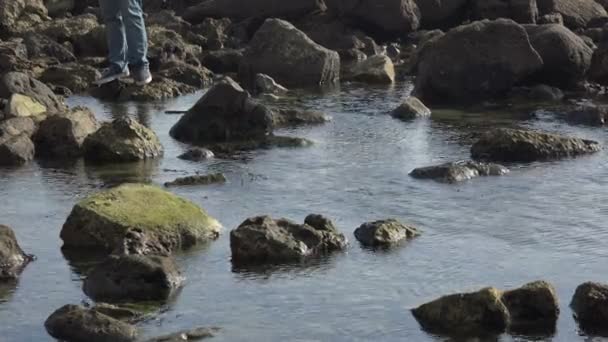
137,219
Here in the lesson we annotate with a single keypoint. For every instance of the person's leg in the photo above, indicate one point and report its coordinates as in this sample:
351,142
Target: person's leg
117,44
137,39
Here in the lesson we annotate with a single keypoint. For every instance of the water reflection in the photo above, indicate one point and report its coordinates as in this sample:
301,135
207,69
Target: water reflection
266,271
115,174
7,288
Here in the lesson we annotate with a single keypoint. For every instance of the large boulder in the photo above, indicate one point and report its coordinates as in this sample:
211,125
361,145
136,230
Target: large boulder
522,11
62,135
514,145
122,140
137,219
133,278
465,313
384,233
12,257
76,323
533,307
566,57
262,239
243,9
454,172
474,62
388,16
281,51
590,306
20,83
440,13
575,13
226,112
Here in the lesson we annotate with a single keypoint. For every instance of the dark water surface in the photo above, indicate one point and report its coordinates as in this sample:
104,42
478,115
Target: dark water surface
542,221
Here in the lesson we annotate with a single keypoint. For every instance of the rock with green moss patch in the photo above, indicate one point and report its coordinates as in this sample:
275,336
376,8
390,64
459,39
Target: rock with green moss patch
122,140
213,178
137,219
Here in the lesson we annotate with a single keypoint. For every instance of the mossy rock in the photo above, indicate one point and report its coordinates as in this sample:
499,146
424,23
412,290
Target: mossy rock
137,219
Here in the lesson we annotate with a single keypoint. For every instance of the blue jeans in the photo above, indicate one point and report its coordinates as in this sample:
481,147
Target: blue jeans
126,33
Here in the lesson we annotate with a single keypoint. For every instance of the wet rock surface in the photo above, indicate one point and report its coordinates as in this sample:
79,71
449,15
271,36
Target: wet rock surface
197,154
12,257
512,145
63,135
137,219
133,278
122,140
590,306
384,233
214,178
377,69
76,323
454,172
410,109
265,240
20,83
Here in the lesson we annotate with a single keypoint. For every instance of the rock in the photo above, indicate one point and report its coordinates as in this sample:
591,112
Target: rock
533,307
225,113
465,314
126,312
513,145
197,154
68,29
458,171
169,20
391,17
264,84
160,89
187,335
14,57
133,278
551,18
375,69
543,92
498,55
63,135
437,13
411,108
122,140
76,77
590,306
76,323
522,11
384,233
320,222
197,77
213,178
16,150
92,43
17,126
167,45
243,9
286,54
12,257
216,33
23,106
565,55
59,8
588,115
575,13
262,239
137,219
223,61
226,149
17,15
20,83
289,117
598,70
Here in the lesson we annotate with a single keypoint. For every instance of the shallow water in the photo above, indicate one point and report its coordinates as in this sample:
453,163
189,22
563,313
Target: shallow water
542,221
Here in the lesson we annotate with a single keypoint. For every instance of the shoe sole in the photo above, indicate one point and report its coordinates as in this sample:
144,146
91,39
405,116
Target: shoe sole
144,82
110,79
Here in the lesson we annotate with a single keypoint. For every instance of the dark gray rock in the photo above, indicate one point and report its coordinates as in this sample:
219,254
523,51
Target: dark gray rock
390,16
384,233
12,257
213,178
62,135
590,306
458,171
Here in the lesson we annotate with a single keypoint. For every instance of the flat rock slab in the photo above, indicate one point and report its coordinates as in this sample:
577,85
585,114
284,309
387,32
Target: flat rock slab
214,178
454,172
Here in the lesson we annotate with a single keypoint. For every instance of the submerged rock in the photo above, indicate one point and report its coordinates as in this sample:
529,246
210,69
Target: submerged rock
122,140
225,113
378,69
263,239
475,62
195,334
410,109
133,278
76,323
137,219
63,135
286,117
590,306
213,178
531,308
454,172
384,233
515,145
12,257
197,154
281,51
